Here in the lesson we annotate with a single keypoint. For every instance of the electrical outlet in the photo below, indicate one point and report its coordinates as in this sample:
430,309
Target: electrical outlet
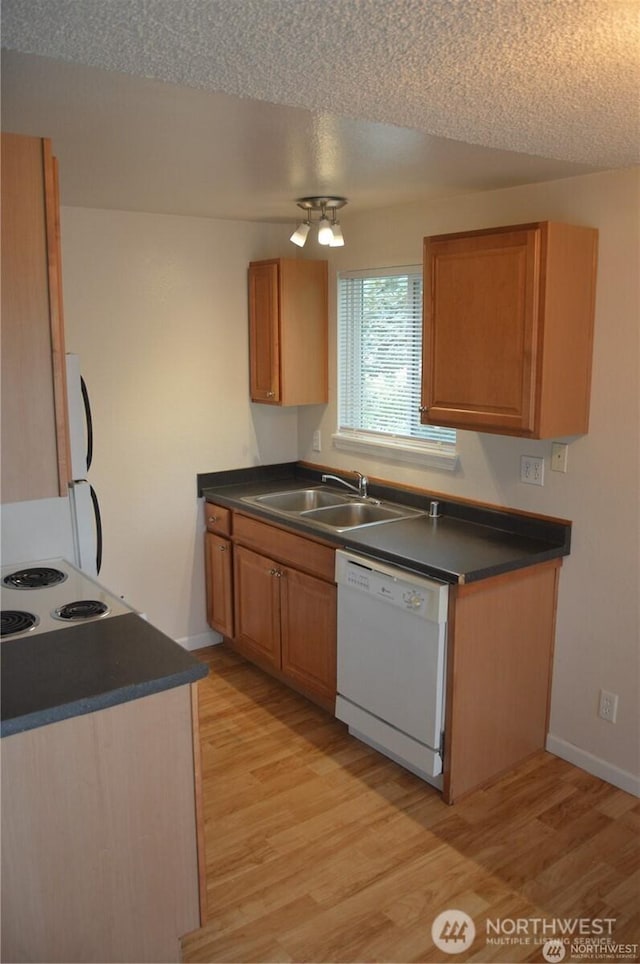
532,470
317,441
559,453
608,706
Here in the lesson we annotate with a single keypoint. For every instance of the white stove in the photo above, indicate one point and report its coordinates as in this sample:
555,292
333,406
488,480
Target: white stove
49,594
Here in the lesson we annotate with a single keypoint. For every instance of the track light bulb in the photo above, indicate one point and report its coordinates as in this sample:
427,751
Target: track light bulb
299,236
325,232
337,240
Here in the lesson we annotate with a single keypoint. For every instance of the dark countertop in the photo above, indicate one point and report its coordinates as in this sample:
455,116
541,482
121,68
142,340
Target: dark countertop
80,669
466,543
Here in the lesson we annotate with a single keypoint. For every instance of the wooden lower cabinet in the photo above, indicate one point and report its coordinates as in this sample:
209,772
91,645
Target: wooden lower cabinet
286,621
99,834
219,580
499,661
271,594
500,639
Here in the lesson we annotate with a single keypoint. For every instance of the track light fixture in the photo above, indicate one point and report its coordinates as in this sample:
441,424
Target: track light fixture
329,230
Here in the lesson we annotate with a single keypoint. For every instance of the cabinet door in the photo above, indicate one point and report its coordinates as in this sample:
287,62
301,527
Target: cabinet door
264,332
35,445
481,317
257,606
218,569
308,628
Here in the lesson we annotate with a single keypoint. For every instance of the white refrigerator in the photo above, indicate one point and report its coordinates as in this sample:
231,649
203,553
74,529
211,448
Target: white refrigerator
86,522
68,527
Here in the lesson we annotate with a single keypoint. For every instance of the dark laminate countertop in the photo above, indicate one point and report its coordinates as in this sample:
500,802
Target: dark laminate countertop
80,669
466,543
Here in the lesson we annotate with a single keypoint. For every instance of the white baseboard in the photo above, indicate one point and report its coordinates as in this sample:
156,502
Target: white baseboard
623,779
200,641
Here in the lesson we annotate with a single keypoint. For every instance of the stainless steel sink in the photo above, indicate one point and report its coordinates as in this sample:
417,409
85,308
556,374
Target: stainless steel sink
354,515
299,500
329,509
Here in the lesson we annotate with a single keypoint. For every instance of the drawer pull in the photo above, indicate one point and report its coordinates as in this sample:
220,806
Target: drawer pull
275,572
213,518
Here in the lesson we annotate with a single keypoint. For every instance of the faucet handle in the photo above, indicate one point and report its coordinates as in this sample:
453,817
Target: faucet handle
363,483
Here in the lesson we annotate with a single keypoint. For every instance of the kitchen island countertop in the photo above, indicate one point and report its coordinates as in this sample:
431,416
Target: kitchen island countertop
80,669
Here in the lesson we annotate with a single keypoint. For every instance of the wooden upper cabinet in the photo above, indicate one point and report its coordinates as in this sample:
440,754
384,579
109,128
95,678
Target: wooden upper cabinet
35,437
508,329
288,332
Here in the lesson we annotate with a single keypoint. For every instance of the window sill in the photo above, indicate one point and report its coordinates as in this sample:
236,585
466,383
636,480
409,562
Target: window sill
438,456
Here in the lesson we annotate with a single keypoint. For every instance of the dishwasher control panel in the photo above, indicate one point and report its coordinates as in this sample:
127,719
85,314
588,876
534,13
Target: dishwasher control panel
415,594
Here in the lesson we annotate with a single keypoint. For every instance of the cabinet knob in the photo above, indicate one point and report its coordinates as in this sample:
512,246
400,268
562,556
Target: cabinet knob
423,409
275,572
222,548
270,394
213,518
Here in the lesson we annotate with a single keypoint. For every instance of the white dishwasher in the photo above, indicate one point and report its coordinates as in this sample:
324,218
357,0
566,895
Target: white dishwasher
392,632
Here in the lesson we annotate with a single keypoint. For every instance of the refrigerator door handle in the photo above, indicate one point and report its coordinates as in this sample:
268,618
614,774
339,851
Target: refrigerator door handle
98,517
89,421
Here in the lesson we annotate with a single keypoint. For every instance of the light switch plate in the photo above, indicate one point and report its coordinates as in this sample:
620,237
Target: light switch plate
559,455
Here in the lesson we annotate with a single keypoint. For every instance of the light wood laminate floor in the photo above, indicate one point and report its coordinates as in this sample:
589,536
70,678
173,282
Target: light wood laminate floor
320,849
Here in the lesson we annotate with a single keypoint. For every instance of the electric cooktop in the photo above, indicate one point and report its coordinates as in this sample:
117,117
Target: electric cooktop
42,596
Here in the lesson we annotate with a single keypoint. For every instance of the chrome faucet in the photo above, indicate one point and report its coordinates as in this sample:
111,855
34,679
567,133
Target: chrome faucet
360,488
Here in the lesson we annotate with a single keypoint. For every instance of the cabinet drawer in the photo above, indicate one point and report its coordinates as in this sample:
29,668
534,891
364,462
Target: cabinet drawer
287,547
218,518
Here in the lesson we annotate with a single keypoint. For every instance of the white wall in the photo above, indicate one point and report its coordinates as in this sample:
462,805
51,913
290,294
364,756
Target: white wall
597,641
156,307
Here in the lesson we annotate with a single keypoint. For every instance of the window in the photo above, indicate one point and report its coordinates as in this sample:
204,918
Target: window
379,367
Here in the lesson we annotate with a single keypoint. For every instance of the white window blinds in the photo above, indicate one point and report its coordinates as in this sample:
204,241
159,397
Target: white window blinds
379,358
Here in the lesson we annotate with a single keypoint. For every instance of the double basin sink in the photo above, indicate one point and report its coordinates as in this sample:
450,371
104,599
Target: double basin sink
333,510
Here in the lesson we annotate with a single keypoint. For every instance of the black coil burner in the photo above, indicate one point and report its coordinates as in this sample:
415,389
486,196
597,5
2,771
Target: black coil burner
16,621
81,609
36,577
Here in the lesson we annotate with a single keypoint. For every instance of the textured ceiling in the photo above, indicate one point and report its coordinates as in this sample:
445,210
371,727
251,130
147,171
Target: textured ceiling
558,78
152,102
